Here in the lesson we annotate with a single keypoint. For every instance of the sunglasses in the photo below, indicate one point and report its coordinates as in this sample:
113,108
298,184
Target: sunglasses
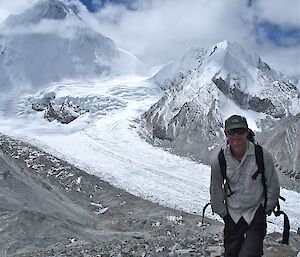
239,131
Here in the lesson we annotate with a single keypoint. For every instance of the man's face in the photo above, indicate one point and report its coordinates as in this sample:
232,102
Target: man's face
237,137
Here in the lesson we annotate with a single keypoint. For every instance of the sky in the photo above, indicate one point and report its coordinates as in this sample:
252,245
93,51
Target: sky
158,31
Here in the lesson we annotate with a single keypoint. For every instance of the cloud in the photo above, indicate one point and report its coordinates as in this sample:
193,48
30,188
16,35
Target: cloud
285,13
67,29
165,27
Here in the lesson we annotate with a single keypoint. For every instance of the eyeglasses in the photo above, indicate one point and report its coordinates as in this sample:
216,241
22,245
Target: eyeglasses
239,131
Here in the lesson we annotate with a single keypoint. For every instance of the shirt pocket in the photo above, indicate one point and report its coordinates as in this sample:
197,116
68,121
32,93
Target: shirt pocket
232,173
253,184
252,172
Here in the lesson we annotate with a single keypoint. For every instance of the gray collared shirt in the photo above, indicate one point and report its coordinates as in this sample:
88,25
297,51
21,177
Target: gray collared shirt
248,192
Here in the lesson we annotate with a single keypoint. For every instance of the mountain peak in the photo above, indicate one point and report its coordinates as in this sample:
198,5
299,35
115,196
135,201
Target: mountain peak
227,45
224,44
43,9
233,47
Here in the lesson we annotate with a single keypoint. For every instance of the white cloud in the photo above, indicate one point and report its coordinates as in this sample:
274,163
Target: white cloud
171,26
282,12
64,29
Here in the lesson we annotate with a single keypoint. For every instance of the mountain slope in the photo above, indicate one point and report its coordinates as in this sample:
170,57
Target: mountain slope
34,212
283,142
49,43
205,86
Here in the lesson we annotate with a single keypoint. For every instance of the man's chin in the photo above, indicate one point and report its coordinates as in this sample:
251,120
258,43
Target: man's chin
237,143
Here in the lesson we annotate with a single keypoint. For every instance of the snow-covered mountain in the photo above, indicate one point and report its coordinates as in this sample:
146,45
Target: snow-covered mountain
204,87
49,43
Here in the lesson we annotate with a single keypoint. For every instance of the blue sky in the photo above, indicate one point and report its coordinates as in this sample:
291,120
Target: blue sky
157,31
96,5
281,36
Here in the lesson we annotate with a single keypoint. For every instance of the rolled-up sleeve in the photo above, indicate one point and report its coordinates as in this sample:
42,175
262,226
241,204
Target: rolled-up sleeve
217,195
272,183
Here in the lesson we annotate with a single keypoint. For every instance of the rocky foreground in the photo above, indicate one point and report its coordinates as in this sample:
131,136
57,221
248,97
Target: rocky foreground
50,208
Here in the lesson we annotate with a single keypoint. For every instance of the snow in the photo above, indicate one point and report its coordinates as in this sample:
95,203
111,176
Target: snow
108,144
194,71
50,43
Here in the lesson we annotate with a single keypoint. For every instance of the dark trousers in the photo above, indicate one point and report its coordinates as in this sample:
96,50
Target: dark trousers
242,240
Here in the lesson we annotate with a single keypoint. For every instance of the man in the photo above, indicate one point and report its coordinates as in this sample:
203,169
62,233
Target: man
241,201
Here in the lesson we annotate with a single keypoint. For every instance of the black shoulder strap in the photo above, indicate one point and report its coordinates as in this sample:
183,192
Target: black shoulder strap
286,226
222,163
259,156
223,167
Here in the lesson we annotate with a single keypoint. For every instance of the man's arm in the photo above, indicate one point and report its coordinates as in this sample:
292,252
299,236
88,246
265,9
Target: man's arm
272,182
217,194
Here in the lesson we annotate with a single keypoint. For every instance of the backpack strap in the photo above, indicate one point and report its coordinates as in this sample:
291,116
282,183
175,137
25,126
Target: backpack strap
286,226
222,163
223,167
259,156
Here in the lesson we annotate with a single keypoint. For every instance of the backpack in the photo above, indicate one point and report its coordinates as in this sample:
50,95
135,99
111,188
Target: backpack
261,170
